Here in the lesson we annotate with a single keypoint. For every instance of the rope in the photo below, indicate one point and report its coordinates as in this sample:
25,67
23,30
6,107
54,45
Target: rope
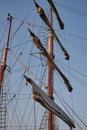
27,69
62,100
29,24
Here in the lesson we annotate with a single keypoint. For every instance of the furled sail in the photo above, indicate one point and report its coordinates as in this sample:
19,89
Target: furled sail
56,13
45,19
39,45
48,103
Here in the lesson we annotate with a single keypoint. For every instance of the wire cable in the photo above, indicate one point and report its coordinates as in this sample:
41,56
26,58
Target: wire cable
71,9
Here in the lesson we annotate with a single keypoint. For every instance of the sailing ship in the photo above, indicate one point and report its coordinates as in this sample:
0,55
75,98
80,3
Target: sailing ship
28,69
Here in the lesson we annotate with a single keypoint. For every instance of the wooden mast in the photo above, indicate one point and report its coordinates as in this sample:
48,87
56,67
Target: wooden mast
2,70
50,72
4,57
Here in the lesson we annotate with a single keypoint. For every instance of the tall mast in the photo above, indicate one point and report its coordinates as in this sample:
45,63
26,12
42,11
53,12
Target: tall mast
50,72
4,57
2,89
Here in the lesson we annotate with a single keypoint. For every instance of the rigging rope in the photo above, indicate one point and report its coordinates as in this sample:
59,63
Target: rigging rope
74,10
64,102
29,24
73,75
27,69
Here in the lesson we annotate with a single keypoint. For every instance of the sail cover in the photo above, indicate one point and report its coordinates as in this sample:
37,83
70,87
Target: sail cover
39,45
41,97
43,16
56,13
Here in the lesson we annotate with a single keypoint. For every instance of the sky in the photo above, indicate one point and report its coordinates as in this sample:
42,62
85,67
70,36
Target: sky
74,38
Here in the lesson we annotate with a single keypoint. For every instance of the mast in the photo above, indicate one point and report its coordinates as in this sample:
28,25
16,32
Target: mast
50,72
2,89
51,65
4,57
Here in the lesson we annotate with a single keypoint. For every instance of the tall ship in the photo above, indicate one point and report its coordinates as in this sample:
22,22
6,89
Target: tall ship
40,87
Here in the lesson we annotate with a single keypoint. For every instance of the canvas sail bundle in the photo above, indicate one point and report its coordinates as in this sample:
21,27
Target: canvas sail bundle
48,103
56,13
43,16
39,45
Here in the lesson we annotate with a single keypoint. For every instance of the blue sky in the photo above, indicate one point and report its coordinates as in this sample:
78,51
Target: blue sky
73,37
